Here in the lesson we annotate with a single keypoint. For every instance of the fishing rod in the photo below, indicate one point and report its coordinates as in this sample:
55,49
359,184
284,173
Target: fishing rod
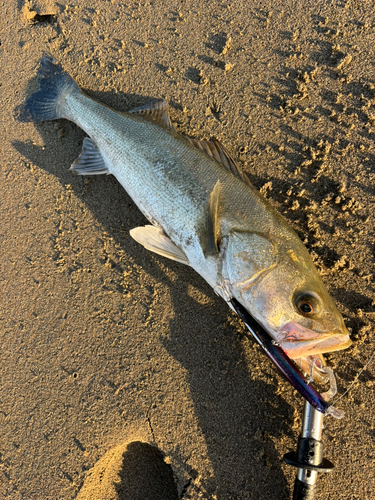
309,455
308,458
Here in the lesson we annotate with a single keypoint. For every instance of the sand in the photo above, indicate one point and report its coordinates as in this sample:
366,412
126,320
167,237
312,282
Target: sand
117,364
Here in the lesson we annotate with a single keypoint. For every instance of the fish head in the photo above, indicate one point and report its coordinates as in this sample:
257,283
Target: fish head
284,292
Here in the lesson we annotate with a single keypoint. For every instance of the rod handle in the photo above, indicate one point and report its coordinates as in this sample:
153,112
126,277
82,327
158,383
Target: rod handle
303,491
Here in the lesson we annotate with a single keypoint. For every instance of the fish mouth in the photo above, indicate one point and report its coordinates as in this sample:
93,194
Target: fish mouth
298,342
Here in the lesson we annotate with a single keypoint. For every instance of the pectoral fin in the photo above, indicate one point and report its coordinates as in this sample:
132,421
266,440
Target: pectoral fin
155,240
213,221
156,111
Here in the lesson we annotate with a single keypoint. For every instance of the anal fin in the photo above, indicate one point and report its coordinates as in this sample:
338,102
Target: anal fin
90,161
155,240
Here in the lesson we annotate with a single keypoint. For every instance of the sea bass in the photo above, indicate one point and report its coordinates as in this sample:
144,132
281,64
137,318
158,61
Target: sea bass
203,211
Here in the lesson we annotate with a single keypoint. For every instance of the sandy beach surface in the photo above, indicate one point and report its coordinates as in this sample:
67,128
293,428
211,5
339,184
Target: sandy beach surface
121,371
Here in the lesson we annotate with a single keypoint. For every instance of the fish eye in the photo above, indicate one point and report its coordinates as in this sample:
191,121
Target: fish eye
307,304
305,308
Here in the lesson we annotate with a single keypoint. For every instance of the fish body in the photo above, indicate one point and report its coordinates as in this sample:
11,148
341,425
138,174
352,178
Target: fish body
203,212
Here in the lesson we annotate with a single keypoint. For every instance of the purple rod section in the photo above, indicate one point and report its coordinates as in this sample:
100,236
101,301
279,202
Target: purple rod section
282,362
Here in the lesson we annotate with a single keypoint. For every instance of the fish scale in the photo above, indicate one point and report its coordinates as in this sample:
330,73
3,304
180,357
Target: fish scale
128,144
203,212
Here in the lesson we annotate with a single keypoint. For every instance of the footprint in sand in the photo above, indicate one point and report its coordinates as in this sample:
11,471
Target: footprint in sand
135,471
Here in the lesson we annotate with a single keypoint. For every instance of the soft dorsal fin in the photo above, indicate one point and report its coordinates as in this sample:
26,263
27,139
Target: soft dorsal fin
156,111
90,161
153,239
219,153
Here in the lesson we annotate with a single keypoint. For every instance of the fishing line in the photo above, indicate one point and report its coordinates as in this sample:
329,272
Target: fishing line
355,378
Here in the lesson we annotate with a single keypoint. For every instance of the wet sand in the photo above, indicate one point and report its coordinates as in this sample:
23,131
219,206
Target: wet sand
118,365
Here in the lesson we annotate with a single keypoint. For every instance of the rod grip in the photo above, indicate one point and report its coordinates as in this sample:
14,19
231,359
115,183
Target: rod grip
303,491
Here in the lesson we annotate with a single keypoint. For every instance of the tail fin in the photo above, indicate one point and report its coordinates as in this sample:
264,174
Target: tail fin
44,104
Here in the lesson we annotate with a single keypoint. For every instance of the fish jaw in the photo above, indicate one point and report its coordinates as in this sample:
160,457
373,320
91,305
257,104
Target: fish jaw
298,341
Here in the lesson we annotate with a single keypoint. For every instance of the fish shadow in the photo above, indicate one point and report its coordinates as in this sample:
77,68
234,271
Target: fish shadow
239,412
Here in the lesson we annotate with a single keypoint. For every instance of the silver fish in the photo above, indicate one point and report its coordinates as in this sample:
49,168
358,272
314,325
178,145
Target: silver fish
203,212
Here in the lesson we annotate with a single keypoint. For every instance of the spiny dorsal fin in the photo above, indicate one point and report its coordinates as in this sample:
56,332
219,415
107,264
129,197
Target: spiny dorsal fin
90,161
219,153
156,111
153,239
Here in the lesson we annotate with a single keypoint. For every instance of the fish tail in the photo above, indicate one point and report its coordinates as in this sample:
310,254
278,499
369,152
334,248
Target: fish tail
45,103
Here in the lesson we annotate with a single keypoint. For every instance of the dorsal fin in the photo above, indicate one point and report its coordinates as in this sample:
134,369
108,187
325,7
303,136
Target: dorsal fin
218,152
156,111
